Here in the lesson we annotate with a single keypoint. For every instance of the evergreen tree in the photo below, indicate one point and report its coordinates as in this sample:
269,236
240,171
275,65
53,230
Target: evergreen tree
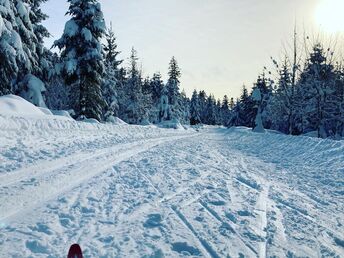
37,16
156,88
219,117
225,114
246,109
174,97
195,109
18,51
210,117
11,52
82,64
316,87
164,107
111,83
202,98
137,103
185,108
111,52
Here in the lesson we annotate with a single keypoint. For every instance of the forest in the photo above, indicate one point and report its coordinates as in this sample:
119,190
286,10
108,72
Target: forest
82,73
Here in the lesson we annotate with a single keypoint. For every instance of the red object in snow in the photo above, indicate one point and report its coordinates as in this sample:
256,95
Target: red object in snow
75,251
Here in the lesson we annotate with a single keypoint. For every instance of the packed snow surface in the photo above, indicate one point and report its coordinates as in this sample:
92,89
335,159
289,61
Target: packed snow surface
143,191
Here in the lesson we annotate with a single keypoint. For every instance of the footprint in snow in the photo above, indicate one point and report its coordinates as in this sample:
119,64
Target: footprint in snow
41,228
184,249
35,247
153,221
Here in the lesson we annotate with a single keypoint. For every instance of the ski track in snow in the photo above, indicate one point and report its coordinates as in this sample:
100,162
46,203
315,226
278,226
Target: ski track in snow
215,193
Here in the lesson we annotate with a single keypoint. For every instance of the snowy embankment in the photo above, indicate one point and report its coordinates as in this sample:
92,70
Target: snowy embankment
135,191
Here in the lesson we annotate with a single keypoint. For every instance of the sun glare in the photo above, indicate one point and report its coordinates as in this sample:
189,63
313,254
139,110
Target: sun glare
329,15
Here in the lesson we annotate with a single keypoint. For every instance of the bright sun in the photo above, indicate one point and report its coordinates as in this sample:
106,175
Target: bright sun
330,15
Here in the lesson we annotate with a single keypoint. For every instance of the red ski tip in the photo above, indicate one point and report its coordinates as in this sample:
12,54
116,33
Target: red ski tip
75,251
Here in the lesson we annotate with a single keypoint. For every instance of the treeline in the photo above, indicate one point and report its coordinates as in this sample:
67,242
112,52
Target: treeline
88,78
306,98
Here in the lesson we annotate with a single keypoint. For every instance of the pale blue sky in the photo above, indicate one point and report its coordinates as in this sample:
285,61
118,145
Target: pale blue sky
219,44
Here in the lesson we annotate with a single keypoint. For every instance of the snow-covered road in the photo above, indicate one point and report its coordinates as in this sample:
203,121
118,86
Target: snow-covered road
148,192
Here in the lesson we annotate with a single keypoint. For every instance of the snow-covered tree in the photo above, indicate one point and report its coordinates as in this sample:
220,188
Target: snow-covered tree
164,107
137,103
195,109
316,88
110,50
224,111
185,108
82,64
19,46
210,117
37,16
154,90
202,98
260,95
112,81
172,86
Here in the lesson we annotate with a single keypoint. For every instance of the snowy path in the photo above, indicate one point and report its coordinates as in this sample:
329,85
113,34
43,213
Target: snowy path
216,193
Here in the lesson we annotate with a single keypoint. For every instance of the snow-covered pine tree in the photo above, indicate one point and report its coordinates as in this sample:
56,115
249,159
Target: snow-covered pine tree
185,108
18,51
260,95
110,50
281,104
137,104
164,107
172,86
82,64
11,50
37,16
316,89
155,88
202,98
339,98
210,117
219,119
231,104
245,109
195,109
225,114
112,81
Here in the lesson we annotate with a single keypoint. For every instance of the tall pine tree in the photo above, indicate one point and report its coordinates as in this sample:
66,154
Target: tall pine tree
82,64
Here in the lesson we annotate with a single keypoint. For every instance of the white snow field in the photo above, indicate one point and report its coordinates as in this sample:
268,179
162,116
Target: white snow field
135,191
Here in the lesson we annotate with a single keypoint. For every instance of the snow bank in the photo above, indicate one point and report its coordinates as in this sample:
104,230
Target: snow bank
11,105
35,134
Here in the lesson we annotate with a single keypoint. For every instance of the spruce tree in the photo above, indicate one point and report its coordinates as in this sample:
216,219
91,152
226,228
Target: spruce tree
82,64
11,52
195,109
225,110
137,103
112,81
37,16
316,88
19,53
172,86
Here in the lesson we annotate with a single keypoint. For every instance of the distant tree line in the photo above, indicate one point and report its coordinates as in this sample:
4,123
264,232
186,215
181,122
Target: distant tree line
88,78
